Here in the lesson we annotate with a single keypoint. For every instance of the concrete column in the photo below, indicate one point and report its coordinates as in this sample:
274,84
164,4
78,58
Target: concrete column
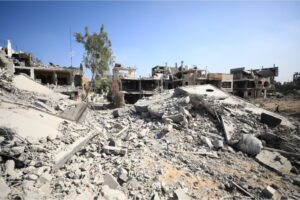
55,78
120,84
32,73
245,93
71,82
140,85
265,93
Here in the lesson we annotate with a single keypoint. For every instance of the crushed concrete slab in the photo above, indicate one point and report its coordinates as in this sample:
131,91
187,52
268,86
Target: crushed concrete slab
275,161
142,104
29,122
75,112
110,181
207,90
44,106
228,128
63,156
270,120
24,82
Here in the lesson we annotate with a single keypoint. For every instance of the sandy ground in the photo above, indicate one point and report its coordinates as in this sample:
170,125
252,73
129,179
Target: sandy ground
288,105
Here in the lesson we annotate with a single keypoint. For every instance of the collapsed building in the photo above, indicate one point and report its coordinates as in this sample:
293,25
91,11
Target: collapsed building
240,82
66,80
253,83
164,78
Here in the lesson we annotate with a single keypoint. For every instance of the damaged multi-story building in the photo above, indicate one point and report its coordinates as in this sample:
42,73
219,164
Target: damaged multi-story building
66,80
253,83
164,78
221,80
296,80
240,82
132,88
174,77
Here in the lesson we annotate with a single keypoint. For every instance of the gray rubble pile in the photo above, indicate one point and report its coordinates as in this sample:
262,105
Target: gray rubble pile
10,93
190,143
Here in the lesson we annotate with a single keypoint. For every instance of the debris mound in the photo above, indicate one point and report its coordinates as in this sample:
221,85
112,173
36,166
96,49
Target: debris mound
192,142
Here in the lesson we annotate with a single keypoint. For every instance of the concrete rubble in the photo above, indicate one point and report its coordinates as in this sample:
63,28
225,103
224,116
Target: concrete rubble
193,142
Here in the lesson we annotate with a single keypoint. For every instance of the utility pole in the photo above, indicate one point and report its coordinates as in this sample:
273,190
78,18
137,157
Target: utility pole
71,52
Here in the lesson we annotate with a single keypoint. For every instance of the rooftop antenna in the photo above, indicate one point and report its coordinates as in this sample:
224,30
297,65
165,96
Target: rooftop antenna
71,51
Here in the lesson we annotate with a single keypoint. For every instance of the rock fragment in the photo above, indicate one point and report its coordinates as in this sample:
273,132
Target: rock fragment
218,144
176,118
4,189
31,177
250,144
17,150
275,161
270,193
110,181
181,194
168,128
45,178
118,112
112,194
156,110
114,150
9,167
270,119
143,133
207,141
296,181
123,174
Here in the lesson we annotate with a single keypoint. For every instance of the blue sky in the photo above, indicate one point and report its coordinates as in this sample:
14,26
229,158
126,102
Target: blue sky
216,35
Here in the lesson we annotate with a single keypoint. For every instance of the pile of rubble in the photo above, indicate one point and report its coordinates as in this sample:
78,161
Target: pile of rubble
195,142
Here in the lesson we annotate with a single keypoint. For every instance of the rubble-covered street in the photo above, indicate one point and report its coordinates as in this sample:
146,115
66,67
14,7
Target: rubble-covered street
194,142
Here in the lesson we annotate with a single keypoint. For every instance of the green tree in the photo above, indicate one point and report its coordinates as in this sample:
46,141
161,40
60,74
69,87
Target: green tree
98,54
